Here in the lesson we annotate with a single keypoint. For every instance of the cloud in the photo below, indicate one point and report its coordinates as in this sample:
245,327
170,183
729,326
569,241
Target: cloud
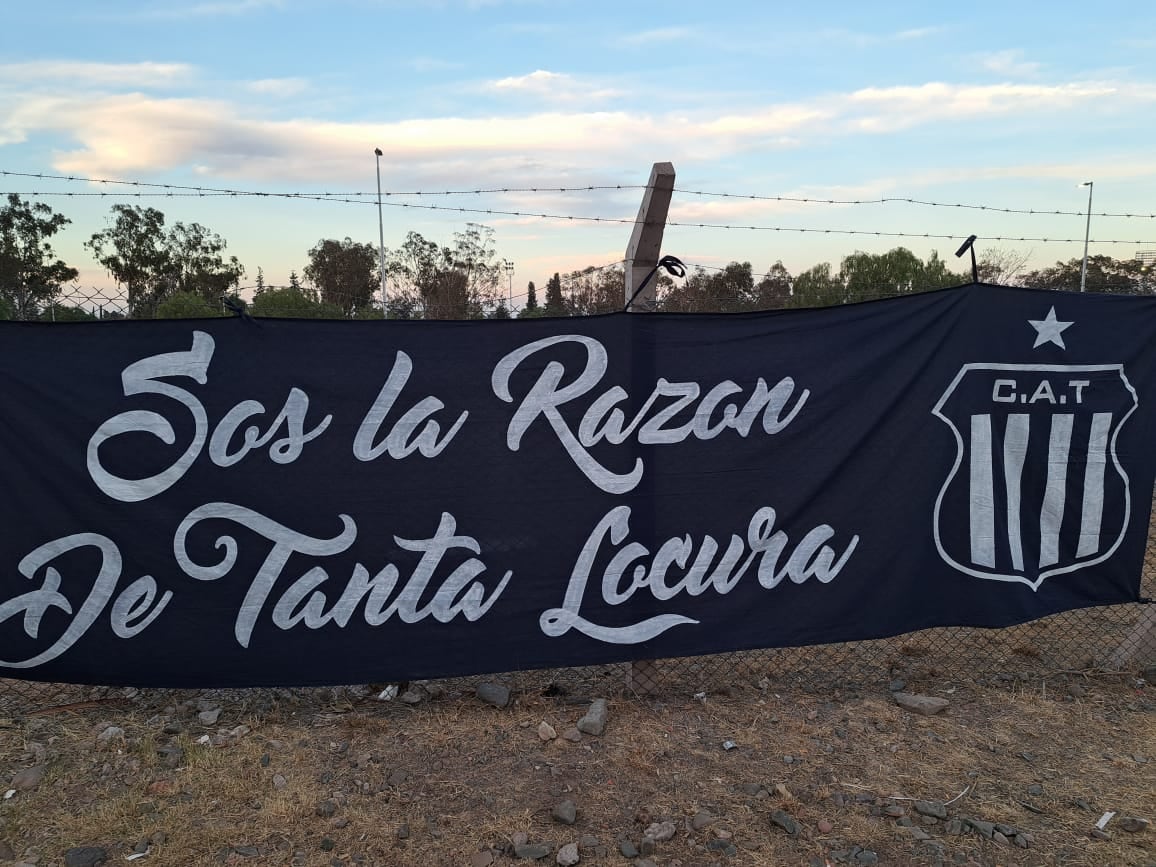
553,86
1009,63
89,74
213,8
277,86
138,133
660,34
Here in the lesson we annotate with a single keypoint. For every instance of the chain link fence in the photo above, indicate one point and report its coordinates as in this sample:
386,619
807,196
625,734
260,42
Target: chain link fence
1086,641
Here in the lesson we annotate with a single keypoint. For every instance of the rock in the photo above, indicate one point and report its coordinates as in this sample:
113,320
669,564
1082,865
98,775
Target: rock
411,696
866,856
110,734
85,856
29,778
1035,789
701,820
572,734
568,855
984,829
1133,824
955,827
647,846
247,851
6,853
999,837
594,722
825,827
546,731
532,851
723,846
170,755
482,859
565,812
660,832
279,782
326,809
897,685
627,849
894,811
785,821
494,693
209,717
927,705
1097,834
327,844
930,808
403,831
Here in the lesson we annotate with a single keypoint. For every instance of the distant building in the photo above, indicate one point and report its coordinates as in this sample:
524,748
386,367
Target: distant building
1146,257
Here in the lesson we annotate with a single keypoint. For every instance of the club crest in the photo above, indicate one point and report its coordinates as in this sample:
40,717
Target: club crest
1037,488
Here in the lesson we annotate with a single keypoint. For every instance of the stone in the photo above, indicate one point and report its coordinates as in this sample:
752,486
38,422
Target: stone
1097,834
403,831
594,722
494,693
568,855
327,844
931,808
1035,789
411,696
85,856
724,846
6,853
894,811
110,734
532,851
565,812
247,851
627,849
29,778
1133,824
572,734
785,821
171,756
955,827
897,685
660,832
482,859
279,782
927,705
866,856
999,837
918,833
984,829
546,731
209,717
326,809
647,846
700,820
825,827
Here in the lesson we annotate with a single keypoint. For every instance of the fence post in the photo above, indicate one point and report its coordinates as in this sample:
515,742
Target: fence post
1140,645
642,254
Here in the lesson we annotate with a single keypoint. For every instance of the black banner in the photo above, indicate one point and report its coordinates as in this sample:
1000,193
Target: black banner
239,502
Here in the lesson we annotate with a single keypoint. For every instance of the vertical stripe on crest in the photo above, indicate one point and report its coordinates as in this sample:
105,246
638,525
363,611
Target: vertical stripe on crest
1052,514
1015,449
982,493
1093,509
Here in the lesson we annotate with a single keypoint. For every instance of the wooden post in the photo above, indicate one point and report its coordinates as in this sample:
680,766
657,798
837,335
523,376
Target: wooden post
642,255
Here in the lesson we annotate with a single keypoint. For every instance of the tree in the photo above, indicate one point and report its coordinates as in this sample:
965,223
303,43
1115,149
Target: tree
344,272
186,305
817,287
442,282
152,263
293,302
593,290
774,290
726,291
555,303
57,312
896,272
294,280
531,298
30,273
259,285
1001,265
1105,274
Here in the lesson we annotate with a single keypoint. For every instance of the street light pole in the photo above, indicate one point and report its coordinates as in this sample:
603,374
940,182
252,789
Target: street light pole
380,233
1087,234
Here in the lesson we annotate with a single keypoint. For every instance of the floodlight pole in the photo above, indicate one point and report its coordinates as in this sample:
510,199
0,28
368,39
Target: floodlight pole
380,233
1087,234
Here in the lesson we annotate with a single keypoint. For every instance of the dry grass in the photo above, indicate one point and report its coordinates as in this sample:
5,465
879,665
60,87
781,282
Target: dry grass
436,783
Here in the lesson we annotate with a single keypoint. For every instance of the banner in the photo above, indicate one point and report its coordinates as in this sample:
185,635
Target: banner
238,502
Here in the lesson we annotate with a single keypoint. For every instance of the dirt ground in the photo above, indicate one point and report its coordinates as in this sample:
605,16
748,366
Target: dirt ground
754,773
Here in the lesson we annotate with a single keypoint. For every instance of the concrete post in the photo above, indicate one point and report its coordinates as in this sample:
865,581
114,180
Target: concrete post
642,254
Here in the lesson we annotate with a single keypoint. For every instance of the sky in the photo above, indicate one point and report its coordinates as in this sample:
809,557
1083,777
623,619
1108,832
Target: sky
1004,105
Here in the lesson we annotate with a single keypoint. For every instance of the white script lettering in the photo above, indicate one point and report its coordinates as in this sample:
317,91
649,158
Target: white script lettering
633,568
654,423
304,602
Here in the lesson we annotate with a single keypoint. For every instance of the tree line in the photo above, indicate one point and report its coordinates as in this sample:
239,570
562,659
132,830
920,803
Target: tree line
183,271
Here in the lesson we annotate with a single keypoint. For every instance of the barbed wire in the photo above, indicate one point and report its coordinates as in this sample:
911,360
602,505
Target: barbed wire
359,197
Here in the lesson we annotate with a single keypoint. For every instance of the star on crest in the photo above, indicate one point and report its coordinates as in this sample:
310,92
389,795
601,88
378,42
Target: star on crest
1049,330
